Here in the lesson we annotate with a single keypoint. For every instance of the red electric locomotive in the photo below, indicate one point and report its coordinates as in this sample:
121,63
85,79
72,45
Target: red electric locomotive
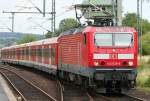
105,57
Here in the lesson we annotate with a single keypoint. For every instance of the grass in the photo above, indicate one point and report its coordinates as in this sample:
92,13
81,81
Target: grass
143,77
145,89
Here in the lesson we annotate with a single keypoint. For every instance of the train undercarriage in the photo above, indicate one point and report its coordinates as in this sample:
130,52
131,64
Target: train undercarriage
104,82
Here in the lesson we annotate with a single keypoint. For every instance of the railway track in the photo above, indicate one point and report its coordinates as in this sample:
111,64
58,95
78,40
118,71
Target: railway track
47,83
133,98
26,90
24,81
73,93
113,97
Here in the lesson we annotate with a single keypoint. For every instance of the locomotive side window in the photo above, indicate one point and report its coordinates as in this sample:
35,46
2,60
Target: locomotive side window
84,39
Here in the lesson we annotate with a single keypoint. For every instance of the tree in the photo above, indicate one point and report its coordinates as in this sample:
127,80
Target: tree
130,19
146,44
48,34
64,25
27,38
67,24
51,34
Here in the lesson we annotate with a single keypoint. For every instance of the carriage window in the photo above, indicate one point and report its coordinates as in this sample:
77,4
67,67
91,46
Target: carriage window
40,52
44,52
36,52
53,52
27,52
33,52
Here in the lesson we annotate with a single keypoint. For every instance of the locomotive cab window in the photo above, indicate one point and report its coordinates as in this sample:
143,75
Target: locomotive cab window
113,39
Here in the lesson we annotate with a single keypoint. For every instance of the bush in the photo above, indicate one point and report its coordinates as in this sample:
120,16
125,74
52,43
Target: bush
147,82
146,44
143,77
27,38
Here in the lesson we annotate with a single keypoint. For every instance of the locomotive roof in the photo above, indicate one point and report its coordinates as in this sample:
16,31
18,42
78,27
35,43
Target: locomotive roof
98,29
40,42
109,29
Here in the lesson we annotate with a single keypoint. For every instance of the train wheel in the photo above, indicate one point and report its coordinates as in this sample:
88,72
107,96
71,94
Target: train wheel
60,74
71,77
85,82
79,79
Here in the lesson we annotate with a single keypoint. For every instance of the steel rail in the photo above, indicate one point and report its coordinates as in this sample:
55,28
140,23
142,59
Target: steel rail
13,86
73,92
90,97
136,98
29,84
61,90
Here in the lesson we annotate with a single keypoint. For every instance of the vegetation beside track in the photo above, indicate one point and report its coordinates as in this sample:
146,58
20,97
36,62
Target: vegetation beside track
143,77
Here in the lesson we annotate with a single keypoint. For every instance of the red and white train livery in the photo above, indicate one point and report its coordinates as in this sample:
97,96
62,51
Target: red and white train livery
105,57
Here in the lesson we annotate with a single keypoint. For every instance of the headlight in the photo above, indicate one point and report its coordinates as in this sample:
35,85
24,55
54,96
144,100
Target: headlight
130,63
96,63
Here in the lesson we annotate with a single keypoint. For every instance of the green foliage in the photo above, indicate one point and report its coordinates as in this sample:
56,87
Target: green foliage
143,77
51,34
48,34
147,82
27,38
146,44
10,38
67,24
145,26
130,19
64,25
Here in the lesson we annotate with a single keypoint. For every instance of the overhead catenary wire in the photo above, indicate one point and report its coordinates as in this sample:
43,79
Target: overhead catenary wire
35,6
39,25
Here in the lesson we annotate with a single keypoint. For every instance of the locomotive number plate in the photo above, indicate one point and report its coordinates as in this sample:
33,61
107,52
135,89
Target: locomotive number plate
113,56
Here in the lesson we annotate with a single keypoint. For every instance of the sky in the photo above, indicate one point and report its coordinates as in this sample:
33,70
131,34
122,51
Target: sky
37,24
